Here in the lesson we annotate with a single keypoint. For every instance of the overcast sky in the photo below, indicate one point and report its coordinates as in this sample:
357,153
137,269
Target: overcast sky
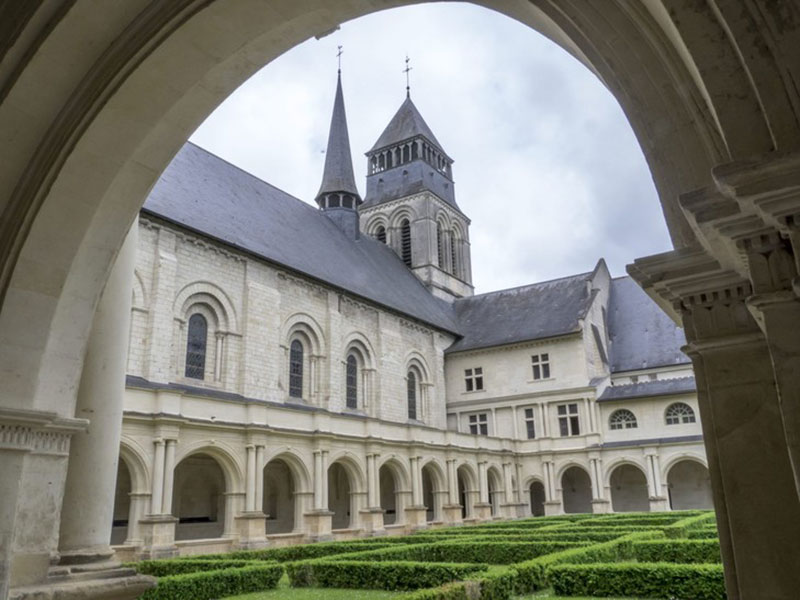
546,165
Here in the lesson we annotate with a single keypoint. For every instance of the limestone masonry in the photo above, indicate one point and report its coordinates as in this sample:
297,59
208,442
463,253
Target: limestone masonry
298,373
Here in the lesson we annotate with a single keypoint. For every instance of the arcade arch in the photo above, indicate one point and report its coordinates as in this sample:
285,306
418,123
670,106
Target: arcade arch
433,490
629,492
537,498
467,489
393,482
656,61
199,500
689,485
576,490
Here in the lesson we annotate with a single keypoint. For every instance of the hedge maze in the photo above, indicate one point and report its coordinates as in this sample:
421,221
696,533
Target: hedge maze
663,555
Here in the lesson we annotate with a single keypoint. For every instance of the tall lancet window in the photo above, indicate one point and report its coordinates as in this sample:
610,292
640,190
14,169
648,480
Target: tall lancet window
412,395
352,381
454,253
296,369
196,338
405,242
440,245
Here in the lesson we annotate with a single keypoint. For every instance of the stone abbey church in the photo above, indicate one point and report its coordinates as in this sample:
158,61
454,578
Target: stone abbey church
298,373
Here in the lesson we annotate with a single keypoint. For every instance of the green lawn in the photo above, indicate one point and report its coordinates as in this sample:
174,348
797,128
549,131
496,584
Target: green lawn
286,592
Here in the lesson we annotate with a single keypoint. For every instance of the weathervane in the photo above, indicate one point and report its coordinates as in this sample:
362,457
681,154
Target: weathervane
339,56
408,78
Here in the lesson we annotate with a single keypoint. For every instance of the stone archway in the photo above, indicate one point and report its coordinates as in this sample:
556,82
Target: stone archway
83,154
689,486
340,496
198,498
280,499
392,501
467,490
432,491
629,491
537,498
576,490
122,504
494,481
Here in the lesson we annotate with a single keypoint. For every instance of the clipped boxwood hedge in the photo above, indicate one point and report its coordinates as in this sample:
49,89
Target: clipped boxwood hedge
164,568
469,551
390,575
208,585
677,551
293,553
650,580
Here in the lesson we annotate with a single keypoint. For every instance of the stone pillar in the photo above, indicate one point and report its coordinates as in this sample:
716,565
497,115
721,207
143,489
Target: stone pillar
509,506
552,505
600,504
88,505
158,478
250,524
318,522
483,508
250,479
757,508
372,514
169,476
452,508
416,514
658,502
260,452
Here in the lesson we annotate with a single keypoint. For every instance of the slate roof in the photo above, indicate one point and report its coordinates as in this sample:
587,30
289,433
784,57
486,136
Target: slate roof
530,312
338,173
641,334
202,192
406,123
647,389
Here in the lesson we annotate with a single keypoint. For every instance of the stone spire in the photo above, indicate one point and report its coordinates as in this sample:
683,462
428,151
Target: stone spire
338,189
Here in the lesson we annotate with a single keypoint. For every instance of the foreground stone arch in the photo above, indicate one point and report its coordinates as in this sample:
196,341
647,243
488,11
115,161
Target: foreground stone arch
702,85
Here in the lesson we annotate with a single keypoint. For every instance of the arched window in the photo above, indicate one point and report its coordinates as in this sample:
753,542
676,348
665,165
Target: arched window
380,234
196,338
352,381
412,395
454,253
679,413
440,245
405,242
622,419
296,369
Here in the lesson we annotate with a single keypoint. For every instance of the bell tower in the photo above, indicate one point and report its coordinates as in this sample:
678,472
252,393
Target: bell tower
410,204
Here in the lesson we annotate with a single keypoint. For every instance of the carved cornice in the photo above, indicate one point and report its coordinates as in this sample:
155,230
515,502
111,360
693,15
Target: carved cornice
305,283
39,432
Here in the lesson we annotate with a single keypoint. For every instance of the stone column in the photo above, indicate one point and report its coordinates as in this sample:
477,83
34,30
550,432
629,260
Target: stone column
600,504
157,495
372,514
88,505
416,514
452,508
318,522
757,508
552,505
483,508
260,451
658,502
250,487
508,508
169,476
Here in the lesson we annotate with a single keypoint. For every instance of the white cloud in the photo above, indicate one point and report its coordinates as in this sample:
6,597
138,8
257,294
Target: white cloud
547,166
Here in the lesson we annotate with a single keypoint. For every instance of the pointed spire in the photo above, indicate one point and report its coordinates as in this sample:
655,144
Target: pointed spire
338,181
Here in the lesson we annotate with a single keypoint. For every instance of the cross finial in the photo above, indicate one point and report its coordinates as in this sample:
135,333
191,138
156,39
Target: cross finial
339,56
408,78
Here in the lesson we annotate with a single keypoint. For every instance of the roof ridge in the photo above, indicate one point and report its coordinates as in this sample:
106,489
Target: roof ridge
526,285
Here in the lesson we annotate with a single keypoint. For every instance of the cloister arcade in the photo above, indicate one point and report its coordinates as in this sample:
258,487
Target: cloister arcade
97,97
